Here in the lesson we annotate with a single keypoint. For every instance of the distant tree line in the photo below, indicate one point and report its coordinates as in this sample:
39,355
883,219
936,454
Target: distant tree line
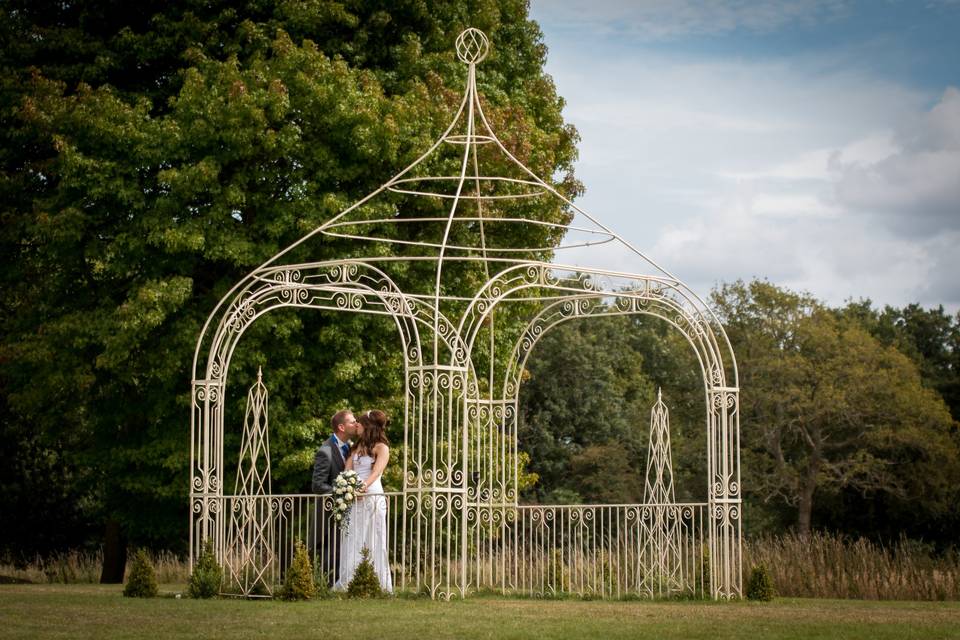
848,415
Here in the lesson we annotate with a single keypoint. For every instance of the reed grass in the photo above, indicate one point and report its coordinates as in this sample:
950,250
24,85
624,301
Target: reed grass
830,566
85,567
820,566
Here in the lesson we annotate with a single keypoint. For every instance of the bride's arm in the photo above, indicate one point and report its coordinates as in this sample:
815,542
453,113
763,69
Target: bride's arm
382,454
348,463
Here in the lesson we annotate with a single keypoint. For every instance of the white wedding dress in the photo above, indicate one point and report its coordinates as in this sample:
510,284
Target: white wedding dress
367,528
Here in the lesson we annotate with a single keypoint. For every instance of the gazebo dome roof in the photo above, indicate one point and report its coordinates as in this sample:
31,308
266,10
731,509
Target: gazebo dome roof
469,198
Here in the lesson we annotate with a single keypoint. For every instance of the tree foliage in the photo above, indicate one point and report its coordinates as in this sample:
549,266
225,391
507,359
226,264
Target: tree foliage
930,337
155,152
583,407
826,408
842,421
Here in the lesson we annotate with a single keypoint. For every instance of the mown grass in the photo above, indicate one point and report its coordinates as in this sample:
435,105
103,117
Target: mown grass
99,611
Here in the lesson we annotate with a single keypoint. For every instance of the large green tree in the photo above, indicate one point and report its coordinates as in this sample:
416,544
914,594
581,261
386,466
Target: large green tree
826,408
152,154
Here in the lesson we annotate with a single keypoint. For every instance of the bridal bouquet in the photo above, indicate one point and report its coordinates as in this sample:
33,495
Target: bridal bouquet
346,488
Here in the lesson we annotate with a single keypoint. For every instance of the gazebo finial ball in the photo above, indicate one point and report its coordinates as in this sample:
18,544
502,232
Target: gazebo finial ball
472,45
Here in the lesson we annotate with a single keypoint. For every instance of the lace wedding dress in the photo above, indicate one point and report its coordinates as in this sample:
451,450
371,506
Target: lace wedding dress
368,528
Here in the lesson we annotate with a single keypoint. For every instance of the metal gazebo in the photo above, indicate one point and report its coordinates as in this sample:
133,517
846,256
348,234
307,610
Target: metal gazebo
472,216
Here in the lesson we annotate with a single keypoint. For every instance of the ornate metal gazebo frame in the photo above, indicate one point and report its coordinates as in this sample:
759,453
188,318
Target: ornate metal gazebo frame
456,525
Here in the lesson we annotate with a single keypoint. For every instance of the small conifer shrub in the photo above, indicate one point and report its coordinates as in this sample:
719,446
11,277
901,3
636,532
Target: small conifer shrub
760,586
298,583
207,574
142,581
365,583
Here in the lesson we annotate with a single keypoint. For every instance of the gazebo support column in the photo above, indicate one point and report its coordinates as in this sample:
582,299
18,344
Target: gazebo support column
724,492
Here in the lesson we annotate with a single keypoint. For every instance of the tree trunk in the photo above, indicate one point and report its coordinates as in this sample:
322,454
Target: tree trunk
114,554
805,504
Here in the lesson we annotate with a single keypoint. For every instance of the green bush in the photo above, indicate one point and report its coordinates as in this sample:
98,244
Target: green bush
760,586
207,574
142,581
365,583
298,583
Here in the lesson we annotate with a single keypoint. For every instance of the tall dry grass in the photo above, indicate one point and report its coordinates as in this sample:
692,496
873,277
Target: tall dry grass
79,567
821,566
829,566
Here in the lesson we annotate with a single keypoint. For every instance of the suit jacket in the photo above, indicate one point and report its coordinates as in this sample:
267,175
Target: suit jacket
327,465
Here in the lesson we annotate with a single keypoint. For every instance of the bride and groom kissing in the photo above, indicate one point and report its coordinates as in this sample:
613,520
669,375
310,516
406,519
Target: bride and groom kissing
360,445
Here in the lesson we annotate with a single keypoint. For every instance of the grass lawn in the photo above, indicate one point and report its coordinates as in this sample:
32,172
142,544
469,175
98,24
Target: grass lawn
95,611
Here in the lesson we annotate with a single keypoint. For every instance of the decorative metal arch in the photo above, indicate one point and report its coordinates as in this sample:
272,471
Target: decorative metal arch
456,523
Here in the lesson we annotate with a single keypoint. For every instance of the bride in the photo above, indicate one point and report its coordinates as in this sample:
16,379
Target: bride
368,516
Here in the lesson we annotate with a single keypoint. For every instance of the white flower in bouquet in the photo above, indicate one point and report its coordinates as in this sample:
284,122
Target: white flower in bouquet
348,486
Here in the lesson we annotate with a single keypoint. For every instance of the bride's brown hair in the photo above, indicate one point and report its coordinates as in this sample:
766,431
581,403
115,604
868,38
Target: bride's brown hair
375,423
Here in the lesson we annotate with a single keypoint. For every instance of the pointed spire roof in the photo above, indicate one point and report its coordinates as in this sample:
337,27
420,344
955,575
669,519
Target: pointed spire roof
465,196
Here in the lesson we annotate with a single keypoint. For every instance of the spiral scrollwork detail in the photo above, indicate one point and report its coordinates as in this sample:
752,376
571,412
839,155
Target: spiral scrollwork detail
717,488
411,503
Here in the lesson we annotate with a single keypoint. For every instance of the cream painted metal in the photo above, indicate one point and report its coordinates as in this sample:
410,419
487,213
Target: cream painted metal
661,564
468,211
250,556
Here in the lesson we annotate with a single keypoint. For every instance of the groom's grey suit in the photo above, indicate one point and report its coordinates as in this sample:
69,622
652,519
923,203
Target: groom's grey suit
327,465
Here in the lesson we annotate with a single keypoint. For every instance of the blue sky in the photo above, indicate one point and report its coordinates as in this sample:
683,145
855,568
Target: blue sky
812,142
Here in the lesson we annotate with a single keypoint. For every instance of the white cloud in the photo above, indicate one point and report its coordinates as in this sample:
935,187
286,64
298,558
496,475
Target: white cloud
729,169
917,187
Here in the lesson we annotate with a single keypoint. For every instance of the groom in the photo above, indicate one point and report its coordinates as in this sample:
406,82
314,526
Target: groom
327,465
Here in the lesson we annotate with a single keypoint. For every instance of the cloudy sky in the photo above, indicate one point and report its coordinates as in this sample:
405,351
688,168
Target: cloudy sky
815,143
